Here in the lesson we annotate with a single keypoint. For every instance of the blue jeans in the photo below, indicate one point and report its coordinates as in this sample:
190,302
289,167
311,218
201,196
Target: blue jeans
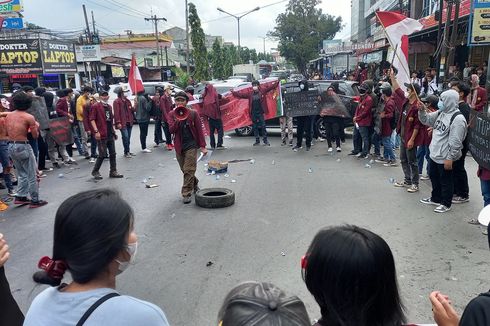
388,152
25,164
364,131
126,138
423,153
77,138
5,161
395,139
485,191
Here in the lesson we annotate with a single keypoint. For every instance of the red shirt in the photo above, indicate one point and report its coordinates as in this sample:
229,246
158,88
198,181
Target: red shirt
389,111
123,112
195,126
411,114
364,116
62,108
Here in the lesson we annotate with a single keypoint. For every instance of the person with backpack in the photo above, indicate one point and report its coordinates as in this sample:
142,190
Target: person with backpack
449,131
94,240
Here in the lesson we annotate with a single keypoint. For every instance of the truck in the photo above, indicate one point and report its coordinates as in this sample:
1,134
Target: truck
257,71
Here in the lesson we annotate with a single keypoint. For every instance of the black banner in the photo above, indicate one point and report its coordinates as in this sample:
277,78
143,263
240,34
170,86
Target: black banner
333,105
479,138
60,130
58,57
302,103
20,56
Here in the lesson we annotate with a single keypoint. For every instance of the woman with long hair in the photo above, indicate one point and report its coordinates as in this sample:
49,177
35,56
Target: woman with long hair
94,240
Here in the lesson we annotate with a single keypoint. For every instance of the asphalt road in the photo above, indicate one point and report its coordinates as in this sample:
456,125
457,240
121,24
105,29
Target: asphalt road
279,207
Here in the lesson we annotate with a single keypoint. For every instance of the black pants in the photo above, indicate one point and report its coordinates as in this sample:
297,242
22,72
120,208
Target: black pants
357,141
69,150
11,314
103,146
43,150
143,133
304,126
460,177
332,126
215,125
442,184
168,135
158,132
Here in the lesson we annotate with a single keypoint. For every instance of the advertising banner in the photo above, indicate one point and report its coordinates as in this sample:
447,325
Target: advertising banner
479,23
58,57
12,23
10,6
87,53
479,138
20,56
433,5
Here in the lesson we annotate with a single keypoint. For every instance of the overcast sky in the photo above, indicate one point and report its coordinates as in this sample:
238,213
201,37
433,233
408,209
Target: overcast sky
68,15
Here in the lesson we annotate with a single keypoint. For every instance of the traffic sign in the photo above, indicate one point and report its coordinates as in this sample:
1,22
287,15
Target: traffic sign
13,23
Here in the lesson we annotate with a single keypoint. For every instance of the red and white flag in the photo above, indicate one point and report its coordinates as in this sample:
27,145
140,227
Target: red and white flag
135,80
397,28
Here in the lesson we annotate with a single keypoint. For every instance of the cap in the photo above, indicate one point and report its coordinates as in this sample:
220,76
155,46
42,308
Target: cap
266,303
431,99
385,85
181,95
415,87
484,216
103,93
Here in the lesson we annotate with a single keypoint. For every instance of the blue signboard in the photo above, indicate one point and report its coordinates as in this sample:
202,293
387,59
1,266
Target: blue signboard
13,23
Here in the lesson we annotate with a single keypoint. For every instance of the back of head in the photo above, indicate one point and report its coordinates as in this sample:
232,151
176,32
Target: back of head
351,273
87,89
39,91
90,229
21,101
262,304
48,98
464,88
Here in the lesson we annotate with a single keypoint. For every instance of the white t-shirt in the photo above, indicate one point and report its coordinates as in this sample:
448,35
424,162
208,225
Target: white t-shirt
56,308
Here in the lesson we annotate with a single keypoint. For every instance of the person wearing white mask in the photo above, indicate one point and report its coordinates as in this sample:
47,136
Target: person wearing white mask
94,239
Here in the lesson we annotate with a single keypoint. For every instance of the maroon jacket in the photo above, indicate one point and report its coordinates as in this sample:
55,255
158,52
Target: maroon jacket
62,108
195,126
412,121
364,116
123,114
166,106
481,99
483,173
86,117
97,114
389,111
210,103
247,94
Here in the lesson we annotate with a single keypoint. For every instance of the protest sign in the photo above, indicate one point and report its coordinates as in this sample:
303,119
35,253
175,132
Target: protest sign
334,106
302,103
60,130
479,138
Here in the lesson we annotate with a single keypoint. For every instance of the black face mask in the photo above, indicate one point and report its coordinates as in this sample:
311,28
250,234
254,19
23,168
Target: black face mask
362,91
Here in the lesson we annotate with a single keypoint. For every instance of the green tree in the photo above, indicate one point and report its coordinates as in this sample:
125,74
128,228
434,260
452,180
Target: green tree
300,30
253,55
199,52
217,60
245,54
228,61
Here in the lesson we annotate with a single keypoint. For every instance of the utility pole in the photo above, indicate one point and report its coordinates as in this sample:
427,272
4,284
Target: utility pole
155,21
439,31
187,37
444,62
86,24
93,22
263,38
454,34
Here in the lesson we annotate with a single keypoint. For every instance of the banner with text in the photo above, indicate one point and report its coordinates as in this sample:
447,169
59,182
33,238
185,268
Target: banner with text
87,53
479,23
58,57
479,138
303,103
20,56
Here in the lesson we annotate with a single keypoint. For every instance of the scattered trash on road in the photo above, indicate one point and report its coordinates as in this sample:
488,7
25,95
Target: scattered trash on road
210,263
61,175
233,181
310,170
152,186
283,253
367,166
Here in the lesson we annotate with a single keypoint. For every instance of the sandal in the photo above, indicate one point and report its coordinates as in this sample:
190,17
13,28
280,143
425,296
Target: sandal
474,221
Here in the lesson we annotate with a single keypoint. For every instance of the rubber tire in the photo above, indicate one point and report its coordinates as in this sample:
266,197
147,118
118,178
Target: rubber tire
225,200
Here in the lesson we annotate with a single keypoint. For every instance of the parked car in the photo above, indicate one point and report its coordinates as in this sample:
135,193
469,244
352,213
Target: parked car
279,74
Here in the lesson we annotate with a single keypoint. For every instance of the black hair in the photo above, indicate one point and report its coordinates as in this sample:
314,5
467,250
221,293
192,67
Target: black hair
21,101
67,91
255,83
90,229
463,88
351,273
87,89
39,91
27,88
48,98
387,91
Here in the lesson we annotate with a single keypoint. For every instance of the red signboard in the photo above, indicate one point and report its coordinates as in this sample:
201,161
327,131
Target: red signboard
23,76
430,21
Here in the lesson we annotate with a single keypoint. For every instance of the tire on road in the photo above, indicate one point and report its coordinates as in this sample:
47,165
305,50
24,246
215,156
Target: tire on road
215,198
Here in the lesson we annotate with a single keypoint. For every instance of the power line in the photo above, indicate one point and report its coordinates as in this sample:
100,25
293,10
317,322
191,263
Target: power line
116,10
138,12
261,7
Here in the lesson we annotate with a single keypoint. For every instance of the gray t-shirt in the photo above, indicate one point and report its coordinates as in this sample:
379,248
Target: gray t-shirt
55,308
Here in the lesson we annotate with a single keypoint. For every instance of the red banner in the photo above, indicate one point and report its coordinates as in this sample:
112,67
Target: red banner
235,112
60,130
430,21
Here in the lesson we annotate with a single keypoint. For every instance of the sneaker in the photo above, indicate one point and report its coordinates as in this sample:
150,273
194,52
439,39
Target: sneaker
39,203
115,174
308,148
429,201
186,200
12,193
266,143
256,143
413,188
460,200
283,143
339,149
92,160
402,184
97,175
380,160
353,153
87,156
132,154
57,165
321,139
393,163
3,206
330,150
484,231
360,156
168,146
219,147
424,177
128,155
21,201
442,209
295,148
291,143
146,150
387,163
156,145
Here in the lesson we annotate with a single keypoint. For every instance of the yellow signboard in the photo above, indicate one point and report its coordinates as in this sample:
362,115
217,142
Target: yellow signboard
480,25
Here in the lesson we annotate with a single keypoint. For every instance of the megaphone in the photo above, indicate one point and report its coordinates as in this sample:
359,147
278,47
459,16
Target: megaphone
181,113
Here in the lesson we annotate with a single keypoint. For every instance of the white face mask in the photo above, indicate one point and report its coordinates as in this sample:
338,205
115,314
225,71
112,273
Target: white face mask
302,86
255,88
131,249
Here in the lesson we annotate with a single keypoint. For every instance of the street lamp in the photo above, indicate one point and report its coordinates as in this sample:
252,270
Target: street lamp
238,20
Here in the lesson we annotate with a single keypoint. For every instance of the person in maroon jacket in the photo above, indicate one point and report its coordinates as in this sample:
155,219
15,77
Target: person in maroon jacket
386,128
363,118
477,99
408,128
189,137
124,118
102,121
63,106
211,109
88,128
166,106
